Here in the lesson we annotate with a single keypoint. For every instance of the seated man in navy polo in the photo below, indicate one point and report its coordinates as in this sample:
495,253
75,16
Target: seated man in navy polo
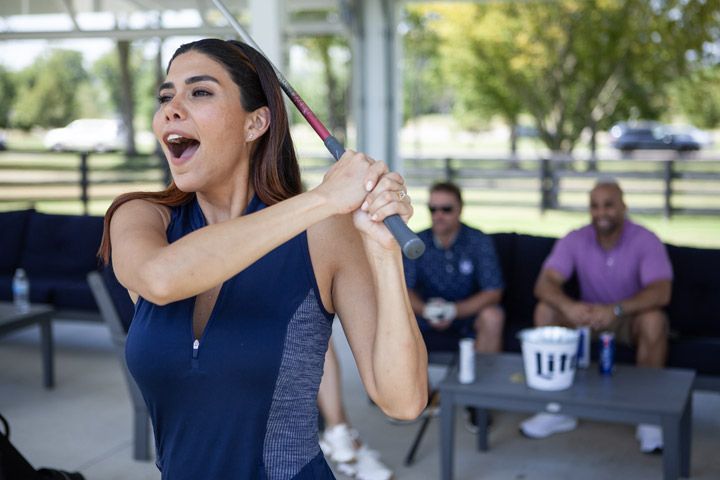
456,286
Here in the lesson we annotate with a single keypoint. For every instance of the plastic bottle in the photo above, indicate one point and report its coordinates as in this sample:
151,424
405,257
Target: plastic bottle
466,372
21,291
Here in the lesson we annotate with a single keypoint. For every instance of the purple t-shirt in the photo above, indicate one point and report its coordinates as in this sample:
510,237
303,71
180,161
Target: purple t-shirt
638,259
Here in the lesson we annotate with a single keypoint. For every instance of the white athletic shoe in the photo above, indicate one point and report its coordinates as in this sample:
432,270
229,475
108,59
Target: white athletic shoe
337,443
369,467
650,438
545,424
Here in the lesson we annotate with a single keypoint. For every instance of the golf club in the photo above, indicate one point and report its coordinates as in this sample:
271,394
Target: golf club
410,243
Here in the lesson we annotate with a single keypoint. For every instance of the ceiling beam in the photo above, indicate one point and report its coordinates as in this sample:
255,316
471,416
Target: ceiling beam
123,34
306,28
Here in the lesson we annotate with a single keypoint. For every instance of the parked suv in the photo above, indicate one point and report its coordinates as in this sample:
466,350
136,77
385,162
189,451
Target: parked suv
652,136
87,134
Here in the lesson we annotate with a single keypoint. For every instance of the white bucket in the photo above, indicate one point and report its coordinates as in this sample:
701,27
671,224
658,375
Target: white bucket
550,357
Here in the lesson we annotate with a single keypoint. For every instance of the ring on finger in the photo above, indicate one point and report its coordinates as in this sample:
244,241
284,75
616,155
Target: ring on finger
401,194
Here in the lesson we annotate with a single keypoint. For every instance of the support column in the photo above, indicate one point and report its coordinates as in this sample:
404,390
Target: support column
375,66
266,27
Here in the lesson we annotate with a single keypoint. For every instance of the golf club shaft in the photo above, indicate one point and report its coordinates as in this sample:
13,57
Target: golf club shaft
410,243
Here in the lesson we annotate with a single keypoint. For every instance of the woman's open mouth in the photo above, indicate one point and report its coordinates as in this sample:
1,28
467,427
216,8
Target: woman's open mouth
181,147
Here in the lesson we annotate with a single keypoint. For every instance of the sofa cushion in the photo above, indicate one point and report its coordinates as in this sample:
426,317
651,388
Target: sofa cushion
504,244
6,287
12,238
528,255
699,353
695,304
119,296
61,246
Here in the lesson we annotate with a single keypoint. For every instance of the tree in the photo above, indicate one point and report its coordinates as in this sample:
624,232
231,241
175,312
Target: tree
47,90
118,70
335,79
571,63
7,96
423,90
697,96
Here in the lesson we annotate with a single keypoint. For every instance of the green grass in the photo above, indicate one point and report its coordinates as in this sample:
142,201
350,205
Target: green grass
699,231
702,231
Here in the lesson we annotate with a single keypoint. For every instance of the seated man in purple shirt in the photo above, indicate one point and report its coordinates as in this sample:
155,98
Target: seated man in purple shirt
625,280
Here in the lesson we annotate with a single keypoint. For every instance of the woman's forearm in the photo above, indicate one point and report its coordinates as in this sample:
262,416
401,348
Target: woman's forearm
399,355
211,255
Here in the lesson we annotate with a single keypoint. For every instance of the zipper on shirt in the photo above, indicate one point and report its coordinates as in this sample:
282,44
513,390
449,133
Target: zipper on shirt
195,353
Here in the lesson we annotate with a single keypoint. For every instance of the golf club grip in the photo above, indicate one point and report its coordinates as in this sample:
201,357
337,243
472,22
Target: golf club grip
411,245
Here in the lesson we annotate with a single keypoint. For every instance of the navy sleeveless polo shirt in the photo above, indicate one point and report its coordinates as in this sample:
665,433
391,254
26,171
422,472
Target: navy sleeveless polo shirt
242,402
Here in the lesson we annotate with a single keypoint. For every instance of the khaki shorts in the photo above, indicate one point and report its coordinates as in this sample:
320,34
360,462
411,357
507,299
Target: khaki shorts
623,331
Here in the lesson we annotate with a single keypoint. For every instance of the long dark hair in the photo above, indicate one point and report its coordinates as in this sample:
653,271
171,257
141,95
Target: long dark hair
274,170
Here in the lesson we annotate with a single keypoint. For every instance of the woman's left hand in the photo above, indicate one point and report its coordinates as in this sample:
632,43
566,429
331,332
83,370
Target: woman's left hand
388,197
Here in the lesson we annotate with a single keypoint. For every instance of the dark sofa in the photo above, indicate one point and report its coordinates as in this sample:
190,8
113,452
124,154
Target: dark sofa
57,252
694,310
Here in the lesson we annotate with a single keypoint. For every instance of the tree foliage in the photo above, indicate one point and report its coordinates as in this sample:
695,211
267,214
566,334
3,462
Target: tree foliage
325,49
571,63
142,71
7,96
47,90
697,95
423,87
123,84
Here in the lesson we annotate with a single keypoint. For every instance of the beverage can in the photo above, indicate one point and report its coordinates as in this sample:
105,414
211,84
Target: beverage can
606,362
583,353
466,371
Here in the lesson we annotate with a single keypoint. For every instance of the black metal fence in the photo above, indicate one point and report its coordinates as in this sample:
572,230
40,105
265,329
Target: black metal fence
669,185
663,184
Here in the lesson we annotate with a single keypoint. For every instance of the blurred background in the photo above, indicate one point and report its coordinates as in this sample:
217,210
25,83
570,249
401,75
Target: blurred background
523,103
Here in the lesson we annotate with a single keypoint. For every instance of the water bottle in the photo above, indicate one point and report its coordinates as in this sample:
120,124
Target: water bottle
466,372
21,291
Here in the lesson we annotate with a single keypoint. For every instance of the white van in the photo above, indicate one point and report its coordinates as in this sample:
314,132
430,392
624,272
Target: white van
86,135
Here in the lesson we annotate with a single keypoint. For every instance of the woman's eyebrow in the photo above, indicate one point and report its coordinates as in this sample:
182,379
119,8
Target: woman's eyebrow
190,80
201,78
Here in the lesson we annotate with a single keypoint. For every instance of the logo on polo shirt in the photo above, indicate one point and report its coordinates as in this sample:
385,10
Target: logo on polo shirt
466,266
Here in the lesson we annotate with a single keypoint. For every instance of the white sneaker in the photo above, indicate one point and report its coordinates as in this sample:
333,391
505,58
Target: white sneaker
337,443
650,438
369,467
545,424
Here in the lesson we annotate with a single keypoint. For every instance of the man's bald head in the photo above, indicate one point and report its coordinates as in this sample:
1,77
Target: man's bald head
607,207
610,185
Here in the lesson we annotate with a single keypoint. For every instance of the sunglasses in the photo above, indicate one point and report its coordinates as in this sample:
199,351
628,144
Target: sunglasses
441,208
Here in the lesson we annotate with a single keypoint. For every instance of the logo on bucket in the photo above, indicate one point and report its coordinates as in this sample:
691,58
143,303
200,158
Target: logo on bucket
549,357
546,366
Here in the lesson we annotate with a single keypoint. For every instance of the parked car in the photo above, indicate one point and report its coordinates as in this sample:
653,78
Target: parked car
87,134
3,142
654,136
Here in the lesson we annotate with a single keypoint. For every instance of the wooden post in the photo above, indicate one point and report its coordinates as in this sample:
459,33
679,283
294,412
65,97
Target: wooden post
84,182
668,178
548,186
449,172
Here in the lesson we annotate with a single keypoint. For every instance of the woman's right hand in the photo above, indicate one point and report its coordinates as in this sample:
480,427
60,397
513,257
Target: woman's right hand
348,181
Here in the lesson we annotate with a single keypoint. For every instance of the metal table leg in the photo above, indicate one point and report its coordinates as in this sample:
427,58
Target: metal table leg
447,435
46,339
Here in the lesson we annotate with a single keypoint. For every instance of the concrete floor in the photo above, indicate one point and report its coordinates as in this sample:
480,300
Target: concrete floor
84,424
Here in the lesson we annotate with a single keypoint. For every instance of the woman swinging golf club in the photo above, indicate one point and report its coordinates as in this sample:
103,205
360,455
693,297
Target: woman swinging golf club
236,276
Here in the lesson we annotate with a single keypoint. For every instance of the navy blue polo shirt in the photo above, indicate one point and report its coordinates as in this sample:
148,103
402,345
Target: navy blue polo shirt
240,402
468,266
